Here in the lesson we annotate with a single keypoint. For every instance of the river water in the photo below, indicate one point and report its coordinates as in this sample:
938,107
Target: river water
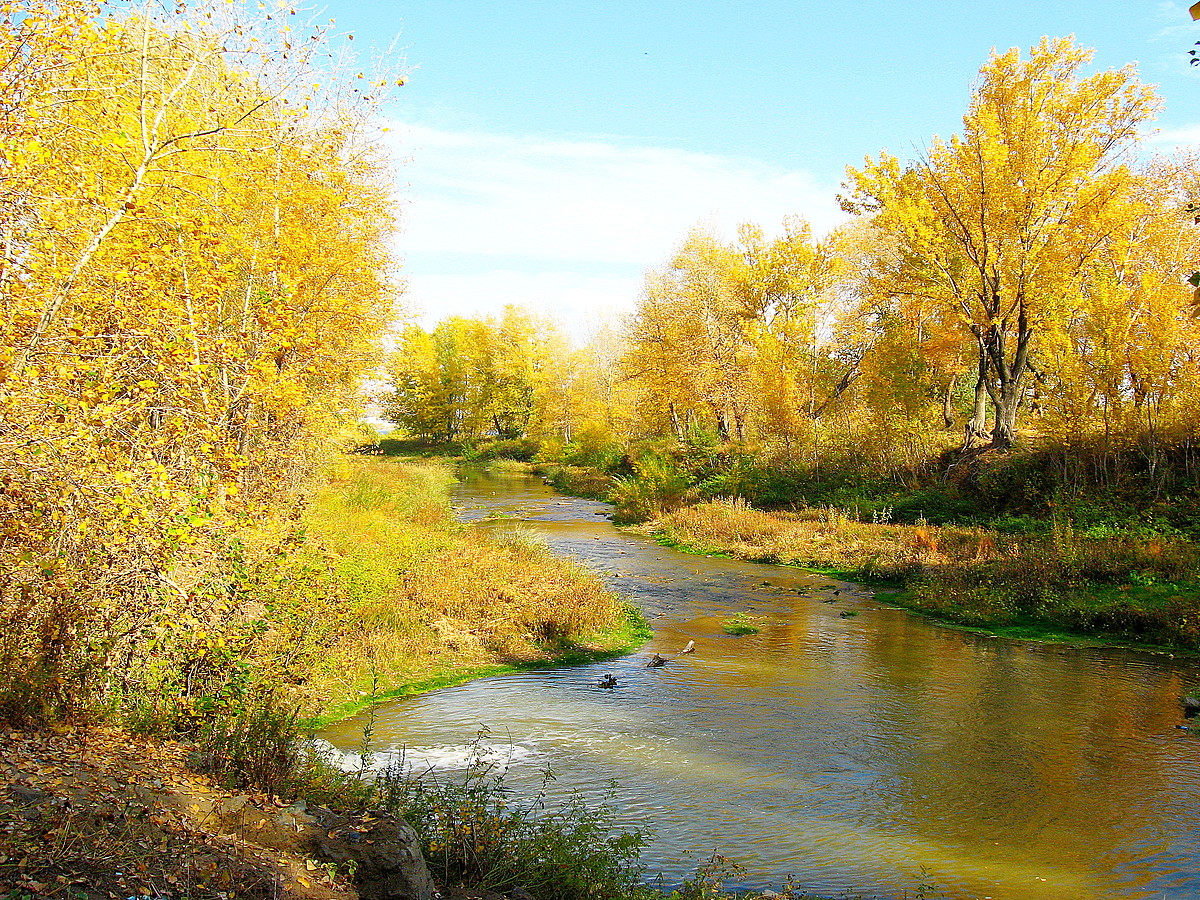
852,746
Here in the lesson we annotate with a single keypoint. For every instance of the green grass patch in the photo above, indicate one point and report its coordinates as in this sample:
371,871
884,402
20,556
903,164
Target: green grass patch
739,625
633,632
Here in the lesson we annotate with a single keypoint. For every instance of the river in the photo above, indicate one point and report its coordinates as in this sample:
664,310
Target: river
852,746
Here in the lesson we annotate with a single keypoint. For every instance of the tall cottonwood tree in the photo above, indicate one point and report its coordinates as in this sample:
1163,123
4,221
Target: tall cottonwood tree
999,225
1123,362
689,341
784,287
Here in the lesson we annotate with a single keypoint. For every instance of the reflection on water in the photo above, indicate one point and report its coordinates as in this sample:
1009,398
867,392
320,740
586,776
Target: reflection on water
854,753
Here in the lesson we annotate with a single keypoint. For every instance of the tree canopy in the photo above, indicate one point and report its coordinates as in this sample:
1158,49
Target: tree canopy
1024,278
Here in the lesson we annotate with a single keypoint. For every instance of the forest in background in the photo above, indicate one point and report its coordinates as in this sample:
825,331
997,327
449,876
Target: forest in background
981,388
1022,285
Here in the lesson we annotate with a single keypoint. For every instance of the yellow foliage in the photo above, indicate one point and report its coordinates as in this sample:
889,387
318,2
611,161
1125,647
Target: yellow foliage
193,279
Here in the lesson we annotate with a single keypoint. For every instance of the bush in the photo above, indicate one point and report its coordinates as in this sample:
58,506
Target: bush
659,484
593,446
474,830
257,744
1020,525
1016,482
576,480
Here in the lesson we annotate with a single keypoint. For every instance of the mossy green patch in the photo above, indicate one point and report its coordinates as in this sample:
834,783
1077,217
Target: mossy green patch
740,625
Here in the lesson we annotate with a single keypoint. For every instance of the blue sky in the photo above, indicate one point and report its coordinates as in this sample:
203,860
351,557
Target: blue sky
552,151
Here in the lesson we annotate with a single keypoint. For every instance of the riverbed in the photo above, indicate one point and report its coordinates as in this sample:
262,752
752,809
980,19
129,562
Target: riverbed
852,746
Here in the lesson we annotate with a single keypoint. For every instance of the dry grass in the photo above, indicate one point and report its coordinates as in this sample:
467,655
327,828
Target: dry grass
1121,586
387,588
819,538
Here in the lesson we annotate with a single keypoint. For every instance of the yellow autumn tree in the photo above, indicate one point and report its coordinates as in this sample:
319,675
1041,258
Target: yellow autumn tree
1122,366
195,277
784,286
998,226
688,341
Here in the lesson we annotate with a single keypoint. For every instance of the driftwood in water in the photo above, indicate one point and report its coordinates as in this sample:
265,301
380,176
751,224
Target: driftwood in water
608,681
659,660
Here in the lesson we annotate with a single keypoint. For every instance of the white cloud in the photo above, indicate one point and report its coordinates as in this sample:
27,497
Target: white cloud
575,299
1170,138
569,224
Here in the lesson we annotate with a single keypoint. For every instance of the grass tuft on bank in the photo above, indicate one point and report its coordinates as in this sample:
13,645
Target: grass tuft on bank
1065,583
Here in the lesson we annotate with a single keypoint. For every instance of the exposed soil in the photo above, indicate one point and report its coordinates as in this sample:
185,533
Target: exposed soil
96,814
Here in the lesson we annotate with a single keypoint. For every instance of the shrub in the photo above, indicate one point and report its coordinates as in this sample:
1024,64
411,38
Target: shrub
474,830
576,480
257,744
659,484
1020,525
593,447
1016,482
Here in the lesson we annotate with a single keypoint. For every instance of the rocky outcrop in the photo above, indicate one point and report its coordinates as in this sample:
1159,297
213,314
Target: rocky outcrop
382,851
387,856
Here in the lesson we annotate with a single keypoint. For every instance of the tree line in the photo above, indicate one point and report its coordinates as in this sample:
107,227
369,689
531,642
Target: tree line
1023,280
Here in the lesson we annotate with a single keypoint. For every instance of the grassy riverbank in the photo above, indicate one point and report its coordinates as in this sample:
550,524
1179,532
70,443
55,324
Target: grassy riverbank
407,600
1059,586
1080,570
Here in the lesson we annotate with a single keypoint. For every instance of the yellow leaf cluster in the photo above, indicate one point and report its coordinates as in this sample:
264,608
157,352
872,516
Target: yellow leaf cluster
194,277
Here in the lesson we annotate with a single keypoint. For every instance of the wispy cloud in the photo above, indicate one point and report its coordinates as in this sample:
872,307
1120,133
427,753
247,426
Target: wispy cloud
578,300
569,224
1168,139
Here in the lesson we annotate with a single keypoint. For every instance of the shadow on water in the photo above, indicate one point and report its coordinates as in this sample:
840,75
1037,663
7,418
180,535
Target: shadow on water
852,752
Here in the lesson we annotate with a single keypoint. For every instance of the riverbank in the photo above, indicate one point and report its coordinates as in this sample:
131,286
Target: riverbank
1062,587
93,813
1058,583
422,602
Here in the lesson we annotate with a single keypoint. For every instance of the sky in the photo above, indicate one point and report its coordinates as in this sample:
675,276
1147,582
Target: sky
549,153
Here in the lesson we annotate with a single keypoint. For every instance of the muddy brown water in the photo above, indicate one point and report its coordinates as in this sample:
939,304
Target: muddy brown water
865,753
